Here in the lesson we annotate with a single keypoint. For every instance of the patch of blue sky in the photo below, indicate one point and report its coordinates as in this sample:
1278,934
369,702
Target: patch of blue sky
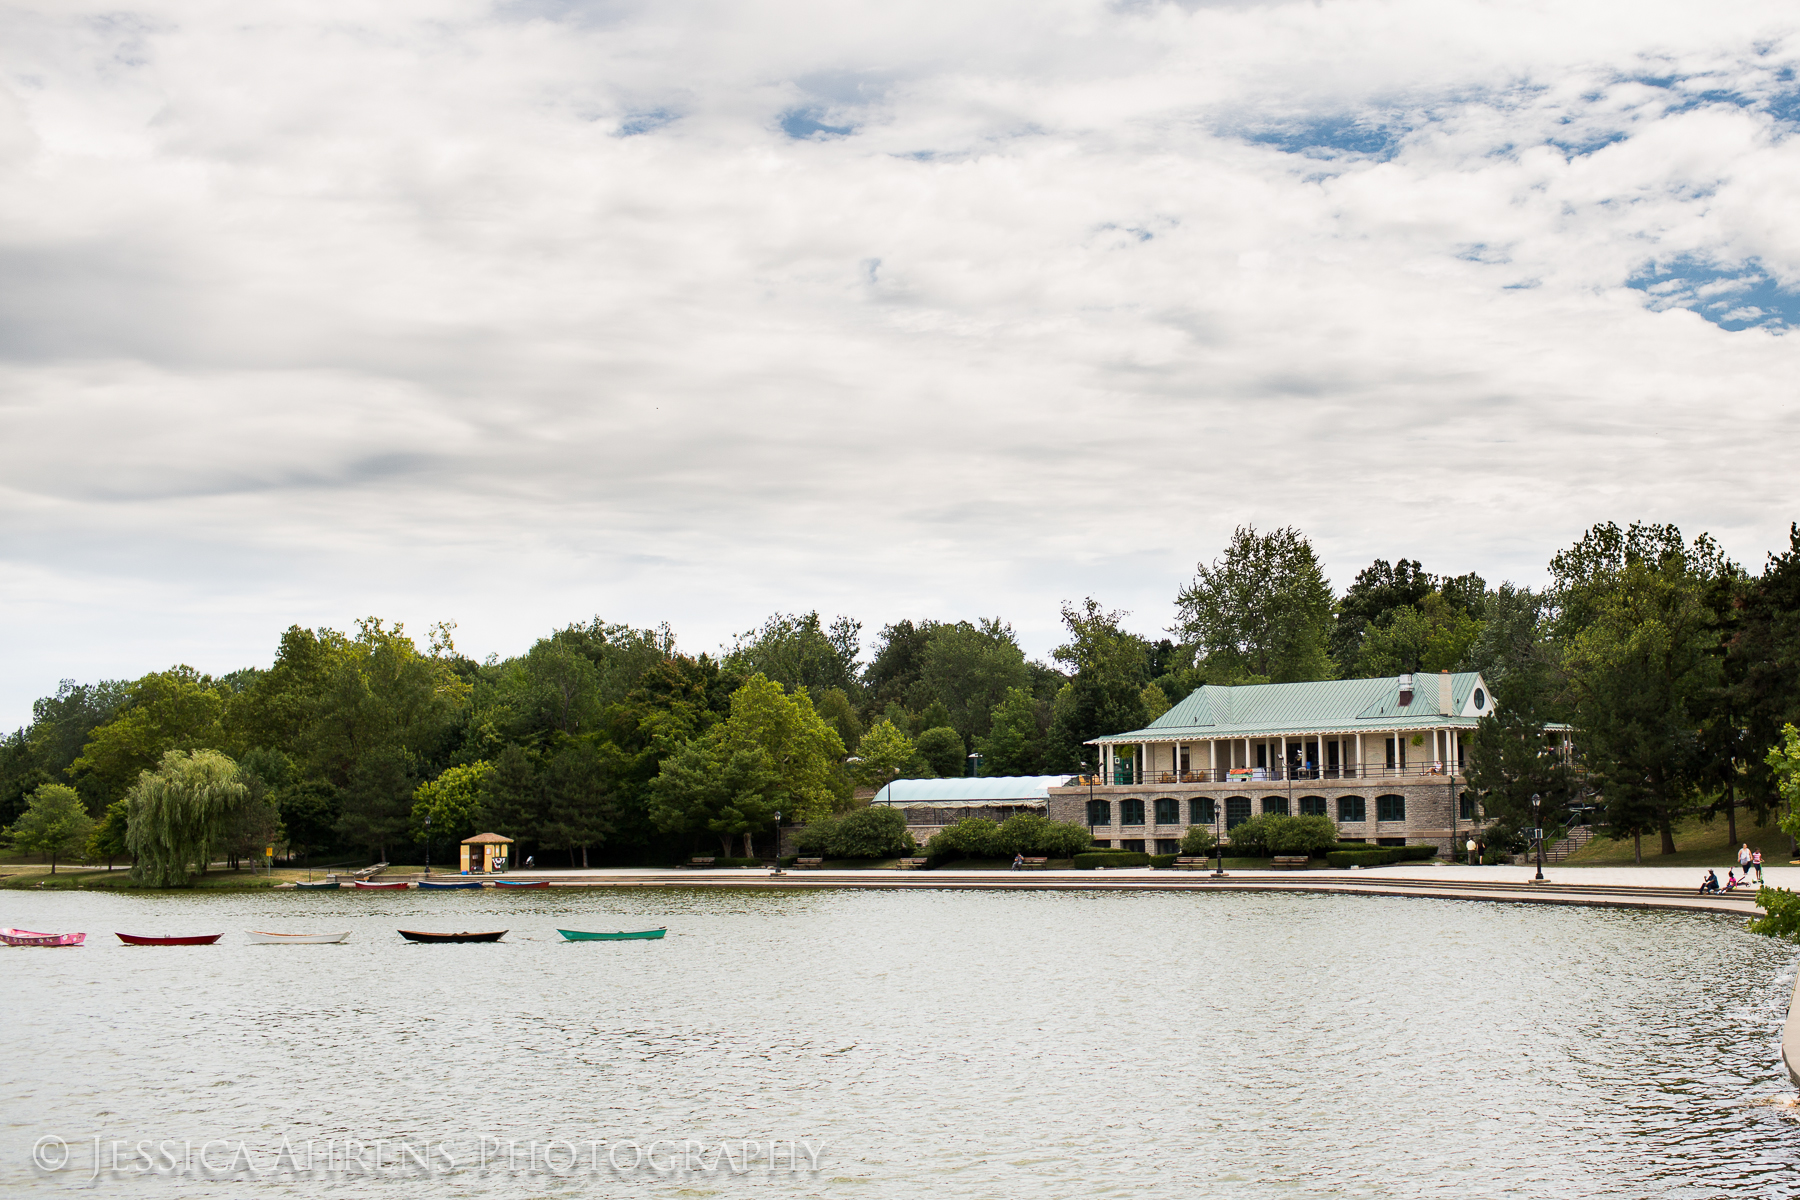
1332,137
1732,296
809,124
645,122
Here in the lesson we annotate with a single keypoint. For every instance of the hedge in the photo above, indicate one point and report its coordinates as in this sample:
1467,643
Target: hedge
1112,858
1165,860
1380,856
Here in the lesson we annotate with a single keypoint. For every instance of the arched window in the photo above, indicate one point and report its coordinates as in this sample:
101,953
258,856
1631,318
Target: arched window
1099,812
1352,808
1312,806
1131,812
1390,808
1276,805
1237,811
1200,811
1168,811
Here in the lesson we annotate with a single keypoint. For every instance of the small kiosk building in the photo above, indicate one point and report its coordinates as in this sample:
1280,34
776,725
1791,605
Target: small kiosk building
480,852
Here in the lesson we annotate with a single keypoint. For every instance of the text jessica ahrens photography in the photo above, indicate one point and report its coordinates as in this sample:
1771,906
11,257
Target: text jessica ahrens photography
221,1158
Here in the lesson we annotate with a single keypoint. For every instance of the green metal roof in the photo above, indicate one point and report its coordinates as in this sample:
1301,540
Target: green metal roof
1322,706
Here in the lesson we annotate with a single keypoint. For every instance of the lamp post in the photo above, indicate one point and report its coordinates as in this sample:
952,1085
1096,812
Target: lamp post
1219,837
428,845
1537,824
1089,772
777,869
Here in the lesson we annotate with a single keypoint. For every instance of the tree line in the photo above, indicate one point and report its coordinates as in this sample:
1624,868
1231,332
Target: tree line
608,743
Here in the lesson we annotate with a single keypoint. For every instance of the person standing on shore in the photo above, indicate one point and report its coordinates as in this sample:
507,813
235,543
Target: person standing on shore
1744,858
1756,861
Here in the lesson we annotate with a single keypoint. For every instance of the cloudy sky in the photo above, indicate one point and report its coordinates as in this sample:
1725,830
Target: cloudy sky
517,313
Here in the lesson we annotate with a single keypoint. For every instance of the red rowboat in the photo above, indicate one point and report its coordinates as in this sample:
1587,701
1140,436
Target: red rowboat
381,887
509,884
205,939
24,937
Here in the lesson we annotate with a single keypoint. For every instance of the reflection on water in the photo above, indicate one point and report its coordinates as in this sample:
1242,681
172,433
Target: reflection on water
945,1044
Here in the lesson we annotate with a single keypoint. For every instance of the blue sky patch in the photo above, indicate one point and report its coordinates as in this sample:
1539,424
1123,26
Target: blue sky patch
1733,297
645,122
1332,136
805,124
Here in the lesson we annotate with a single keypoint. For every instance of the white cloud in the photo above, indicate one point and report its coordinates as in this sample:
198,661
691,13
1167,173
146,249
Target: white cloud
515,313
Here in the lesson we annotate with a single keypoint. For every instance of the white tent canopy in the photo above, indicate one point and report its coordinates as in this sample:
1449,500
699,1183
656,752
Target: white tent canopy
997,790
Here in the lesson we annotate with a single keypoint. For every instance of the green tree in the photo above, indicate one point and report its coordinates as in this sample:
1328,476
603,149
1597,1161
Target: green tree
1156,701
801,749
177,815
1106,695
1263,610
943,751
1438,635
177,709
707,787
837,711
453,802
894,676
55,824
871,832
1783,761
309,810
884,755
512,797
1378,591
108,838
1639,639
578,803
1761,675
976,837
969,668
376,802
798,651
1030,833
1015,741
1198,842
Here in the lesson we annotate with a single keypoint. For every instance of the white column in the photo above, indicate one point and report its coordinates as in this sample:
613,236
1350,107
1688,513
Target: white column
1284,760
1212,759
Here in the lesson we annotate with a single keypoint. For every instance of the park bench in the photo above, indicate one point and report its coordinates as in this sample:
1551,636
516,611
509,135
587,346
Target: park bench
912,864
1036,864
700,861
1192,864
808,864
1289,862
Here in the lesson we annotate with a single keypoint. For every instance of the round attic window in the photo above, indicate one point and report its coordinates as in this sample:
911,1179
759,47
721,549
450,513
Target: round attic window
1480,698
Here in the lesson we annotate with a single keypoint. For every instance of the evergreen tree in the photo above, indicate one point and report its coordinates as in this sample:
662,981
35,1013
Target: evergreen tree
1262,611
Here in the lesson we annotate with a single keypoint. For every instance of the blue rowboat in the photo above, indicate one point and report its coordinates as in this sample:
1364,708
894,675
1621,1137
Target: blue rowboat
461,886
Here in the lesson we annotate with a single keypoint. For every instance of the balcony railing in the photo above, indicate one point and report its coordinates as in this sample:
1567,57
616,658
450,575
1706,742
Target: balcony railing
1277,774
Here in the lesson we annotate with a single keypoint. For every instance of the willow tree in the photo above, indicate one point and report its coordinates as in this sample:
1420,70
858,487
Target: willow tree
178,815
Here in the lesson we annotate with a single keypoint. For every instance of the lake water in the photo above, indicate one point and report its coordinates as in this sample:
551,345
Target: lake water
938,1044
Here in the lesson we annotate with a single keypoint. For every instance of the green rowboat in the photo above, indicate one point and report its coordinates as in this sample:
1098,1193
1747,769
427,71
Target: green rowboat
576,935
324,885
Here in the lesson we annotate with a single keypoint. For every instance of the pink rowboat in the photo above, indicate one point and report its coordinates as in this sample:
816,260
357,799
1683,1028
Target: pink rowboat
24,937
381,887
204,939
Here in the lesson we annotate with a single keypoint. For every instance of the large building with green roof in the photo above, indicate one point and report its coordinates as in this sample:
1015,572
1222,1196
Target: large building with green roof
1384,758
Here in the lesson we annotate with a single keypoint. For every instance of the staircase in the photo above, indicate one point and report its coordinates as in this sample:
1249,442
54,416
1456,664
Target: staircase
1577,837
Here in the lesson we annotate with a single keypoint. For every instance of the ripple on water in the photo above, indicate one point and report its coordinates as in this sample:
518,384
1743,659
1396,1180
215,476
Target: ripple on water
948,1044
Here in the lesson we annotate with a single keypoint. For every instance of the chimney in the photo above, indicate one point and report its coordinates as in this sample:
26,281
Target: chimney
1406,692
1444,692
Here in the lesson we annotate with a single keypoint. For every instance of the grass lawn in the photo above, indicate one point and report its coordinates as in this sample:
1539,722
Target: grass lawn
33,875
1697,844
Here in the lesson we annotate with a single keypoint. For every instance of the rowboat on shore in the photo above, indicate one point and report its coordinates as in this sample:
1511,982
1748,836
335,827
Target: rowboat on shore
380,887
25,937
204,939
460,885
418,935
259,937
322,886
510,885
576,935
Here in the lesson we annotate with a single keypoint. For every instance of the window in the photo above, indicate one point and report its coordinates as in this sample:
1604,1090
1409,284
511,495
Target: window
1391,744
1312,806
1131,812
1390,808
1100,845
1351,808
1168,846
1099,812
1237,811
1466,807
1390,841
1275,804
1200,811
1480,699
1168,812
1262,755
1135,845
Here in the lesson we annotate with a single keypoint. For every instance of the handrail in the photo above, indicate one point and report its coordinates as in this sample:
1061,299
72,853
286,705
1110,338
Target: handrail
1254,775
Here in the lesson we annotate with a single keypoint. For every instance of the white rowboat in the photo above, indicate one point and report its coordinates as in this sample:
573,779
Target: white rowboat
258,938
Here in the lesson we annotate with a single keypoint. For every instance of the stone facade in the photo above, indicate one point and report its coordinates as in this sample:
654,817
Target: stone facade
1432,812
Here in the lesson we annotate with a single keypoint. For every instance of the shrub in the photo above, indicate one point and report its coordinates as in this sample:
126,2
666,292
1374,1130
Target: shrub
869,833
1198,841
1163,860
1299,835
976,837
1250,839
1374,856
1781,917
1111,858
1417,853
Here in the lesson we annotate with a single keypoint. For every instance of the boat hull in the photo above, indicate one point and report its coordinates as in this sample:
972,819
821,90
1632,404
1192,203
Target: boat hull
634,935
511,886
380,887
469,886
25,937
258,937
205,939
419,935
329,885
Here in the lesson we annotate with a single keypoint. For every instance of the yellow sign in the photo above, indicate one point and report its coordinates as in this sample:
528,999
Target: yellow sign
269,852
